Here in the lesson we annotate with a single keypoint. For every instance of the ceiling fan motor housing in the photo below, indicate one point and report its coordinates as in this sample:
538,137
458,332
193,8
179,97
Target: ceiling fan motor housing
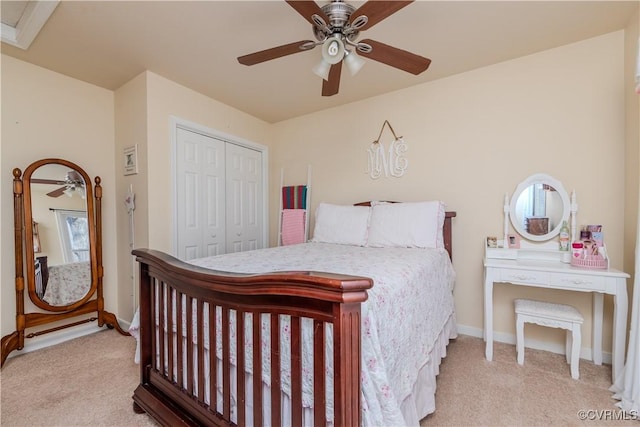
338,13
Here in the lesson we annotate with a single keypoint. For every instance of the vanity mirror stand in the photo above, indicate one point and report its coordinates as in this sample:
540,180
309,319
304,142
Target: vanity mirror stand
537,210
58,243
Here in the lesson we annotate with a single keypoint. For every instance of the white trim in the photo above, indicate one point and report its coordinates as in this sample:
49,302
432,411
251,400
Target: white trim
59,337
33,19
585,353
174,124
53,338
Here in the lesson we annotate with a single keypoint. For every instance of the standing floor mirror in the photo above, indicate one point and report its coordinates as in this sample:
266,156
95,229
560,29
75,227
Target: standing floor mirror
58,250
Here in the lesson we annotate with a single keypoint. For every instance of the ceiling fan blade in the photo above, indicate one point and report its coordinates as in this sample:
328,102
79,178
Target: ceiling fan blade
330,87
398,58
273,53
57,192
307,9
376,11
46,181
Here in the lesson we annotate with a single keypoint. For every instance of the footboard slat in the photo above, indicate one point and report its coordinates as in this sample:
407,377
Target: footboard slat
170,326
154,315
319,383
162,323
213,372
258,403
276,417
226,366
206,332
296,372
240,381
179,340
200,347
189,342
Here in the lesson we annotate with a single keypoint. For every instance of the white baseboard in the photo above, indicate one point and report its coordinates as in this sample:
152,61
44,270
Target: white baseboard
585,353
58,337
90,328
53,338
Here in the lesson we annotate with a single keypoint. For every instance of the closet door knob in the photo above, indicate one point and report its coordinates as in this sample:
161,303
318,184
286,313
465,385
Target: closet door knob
238,234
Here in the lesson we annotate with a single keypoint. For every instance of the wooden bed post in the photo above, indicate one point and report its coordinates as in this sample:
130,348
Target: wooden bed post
347,368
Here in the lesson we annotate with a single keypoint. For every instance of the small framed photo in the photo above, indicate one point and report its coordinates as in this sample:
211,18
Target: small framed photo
492,242
131,160
513,241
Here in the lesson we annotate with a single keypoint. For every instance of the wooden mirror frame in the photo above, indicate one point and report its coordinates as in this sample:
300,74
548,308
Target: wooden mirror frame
24,254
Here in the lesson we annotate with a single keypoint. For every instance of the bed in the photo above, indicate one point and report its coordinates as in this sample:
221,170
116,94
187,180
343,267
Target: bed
346,330
67,283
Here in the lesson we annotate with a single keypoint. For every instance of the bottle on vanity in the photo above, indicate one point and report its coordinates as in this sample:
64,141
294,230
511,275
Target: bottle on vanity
564,237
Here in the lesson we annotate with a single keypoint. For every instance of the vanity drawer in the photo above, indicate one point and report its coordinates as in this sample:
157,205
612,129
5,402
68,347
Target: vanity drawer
577,281
532,277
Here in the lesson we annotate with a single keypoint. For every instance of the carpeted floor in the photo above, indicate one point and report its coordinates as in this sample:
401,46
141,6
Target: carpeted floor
89,382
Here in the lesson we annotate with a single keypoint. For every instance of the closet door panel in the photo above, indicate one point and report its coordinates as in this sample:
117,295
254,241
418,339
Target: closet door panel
200,171
244,198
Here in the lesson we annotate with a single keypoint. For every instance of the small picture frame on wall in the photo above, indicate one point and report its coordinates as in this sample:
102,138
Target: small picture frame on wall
131,160
513,241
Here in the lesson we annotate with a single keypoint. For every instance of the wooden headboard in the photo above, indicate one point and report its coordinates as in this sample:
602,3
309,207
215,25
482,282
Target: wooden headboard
446,230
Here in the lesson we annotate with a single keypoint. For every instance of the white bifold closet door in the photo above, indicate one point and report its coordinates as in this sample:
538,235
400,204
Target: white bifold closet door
218,196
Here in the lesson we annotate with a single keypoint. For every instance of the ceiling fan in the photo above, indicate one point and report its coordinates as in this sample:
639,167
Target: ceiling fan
336,26
72,182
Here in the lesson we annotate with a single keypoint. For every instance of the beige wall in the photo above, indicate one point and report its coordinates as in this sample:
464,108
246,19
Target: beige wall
474,136
130,107
45,114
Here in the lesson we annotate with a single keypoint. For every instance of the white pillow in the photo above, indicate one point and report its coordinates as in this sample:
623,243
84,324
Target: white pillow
346,225
407,225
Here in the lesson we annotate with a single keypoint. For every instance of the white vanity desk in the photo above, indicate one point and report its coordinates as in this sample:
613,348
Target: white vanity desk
537,261
558,275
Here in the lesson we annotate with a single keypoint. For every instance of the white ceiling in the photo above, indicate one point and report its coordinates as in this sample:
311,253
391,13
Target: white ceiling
195,43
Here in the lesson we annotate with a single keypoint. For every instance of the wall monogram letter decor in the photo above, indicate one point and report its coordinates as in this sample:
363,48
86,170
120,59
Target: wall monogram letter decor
390,161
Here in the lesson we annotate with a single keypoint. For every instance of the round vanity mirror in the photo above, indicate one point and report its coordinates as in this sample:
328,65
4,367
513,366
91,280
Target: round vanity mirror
58,208
538,207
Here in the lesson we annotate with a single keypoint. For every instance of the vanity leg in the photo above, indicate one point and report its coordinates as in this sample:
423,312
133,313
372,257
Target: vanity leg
488,314
598,303
620,309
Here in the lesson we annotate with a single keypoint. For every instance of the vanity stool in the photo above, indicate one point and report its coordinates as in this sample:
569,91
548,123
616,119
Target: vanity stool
554,316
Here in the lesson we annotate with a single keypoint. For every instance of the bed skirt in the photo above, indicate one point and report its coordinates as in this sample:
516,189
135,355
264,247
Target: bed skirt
416,406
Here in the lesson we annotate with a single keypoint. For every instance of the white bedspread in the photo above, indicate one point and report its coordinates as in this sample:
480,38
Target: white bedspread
68,283
407,308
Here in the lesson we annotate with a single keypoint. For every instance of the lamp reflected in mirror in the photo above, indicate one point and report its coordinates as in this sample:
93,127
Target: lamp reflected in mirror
37,248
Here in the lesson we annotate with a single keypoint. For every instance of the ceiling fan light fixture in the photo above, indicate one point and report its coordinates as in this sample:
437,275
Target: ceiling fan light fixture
322,69
69,191
333,50
354,62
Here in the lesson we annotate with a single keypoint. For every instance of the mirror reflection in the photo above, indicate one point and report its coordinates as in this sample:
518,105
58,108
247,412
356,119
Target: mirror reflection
539,209
62,249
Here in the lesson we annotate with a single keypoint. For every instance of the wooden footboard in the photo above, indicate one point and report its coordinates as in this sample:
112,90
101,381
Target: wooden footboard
181,304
